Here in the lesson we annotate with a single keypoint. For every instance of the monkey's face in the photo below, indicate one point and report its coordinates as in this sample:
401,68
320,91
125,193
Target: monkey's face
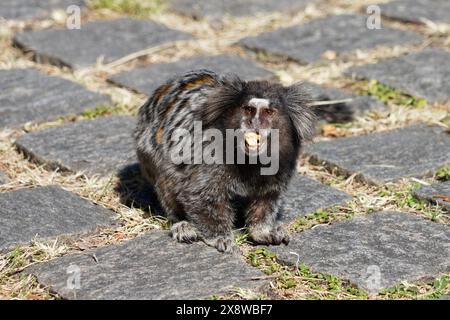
256,121
259,109
257,118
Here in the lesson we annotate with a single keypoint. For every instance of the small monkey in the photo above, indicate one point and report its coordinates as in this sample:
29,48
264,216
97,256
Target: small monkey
202,199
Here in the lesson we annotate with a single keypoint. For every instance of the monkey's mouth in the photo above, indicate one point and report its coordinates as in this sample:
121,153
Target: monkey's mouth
254,143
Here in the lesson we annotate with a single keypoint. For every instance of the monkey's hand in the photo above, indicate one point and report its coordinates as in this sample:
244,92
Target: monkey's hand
222,243
183,231
269,236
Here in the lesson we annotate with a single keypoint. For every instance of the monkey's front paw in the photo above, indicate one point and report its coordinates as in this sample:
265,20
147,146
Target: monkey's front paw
183,231
266,236
222,244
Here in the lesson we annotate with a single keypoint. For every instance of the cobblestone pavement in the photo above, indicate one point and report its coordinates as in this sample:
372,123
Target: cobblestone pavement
367,212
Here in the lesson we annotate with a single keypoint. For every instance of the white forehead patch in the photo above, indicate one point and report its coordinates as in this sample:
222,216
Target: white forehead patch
259,103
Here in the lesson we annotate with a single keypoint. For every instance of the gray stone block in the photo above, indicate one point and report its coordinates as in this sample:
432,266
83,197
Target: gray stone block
147,79
34,9
341,34
28,95
47,212
423,74
306,196
373,251
101,146
377,158
153,266
414,10
110,39
217,9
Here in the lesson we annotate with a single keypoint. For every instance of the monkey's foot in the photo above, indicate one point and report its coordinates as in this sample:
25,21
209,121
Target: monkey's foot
183,231
267,236
222,244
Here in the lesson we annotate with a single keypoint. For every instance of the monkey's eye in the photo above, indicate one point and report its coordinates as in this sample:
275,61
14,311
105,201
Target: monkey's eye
269,112
249,110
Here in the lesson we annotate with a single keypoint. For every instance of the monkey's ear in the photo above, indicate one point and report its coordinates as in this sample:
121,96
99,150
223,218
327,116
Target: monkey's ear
302,116
228,93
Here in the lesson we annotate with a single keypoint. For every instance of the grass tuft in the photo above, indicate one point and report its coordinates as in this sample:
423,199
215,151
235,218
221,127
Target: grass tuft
390,95
432,289
99,111
443,173
301,282
138,8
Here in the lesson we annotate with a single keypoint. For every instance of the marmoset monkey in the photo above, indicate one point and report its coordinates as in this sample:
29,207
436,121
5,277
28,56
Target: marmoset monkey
201,199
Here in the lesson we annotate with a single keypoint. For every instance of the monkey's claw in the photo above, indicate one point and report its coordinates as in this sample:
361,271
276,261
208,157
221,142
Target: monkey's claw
222,244
183,231
274,236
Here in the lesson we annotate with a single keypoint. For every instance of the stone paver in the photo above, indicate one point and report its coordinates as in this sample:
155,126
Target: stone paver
149,267
377,158
341,34
438,193
306,196
47,212
341,112
394,246
28,95
101,146
147,79
111,39
3,178
218,8
423,74
414,10
32,9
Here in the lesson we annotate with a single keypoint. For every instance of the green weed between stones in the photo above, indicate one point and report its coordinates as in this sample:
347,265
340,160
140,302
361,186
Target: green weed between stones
321,216
302,282
443,173
403,198
387,94
432,289
15,259
100,111
18,285
88,114
241,237
139,8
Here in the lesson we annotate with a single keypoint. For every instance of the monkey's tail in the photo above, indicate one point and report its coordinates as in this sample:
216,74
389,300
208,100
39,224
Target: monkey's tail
335,111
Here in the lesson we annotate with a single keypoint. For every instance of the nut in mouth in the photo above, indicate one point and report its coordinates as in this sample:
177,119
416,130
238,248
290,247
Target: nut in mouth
253,142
